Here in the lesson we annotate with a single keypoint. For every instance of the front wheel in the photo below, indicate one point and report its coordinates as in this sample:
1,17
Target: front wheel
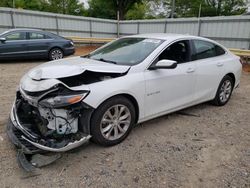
112,121
55,53
224,91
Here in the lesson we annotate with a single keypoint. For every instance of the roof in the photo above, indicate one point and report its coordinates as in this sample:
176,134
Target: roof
19,29
24,29
165,36
172,37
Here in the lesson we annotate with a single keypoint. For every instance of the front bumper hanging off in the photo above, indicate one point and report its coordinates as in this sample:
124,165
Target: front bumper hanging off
29,142
30,147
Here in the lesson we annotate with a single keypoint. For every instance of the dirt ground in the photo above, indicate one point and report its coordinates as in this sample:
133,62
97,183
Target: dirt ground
209,149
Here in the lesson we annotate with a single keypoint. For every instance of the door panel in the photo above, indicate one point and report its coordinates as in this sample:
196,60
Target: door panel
14,46
210,69
38,43
167,89
209,74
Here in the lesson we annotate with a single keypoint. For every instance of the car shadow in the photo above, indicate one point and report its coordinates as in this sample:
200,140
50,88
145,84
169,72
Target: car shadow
193,111
12,61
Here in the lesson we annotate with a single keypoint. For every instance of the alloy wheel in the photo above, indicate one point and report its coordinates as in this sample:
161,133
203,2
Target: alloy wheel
225,91
115,122
56,54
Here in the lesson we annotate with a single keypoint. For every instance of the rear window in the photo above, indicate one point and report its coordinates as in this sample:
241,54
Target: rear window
219,50
205,49
37,36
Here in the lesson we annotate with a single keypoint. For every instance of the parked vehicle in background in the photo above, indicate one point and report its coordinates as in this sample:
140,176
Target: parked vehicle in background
33,43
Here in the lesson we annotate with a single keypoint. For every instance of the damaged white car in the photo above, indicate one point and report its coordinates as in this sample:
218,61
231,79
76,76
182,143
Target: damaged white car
62,104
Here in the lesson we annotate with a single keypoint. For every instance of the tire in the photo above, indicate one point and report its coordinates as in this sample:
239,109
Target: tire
55,53
224,91
112,121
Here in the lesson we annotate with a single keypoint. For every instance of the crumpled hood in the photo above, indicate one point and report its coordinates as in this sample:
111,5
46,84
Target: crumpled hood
73,66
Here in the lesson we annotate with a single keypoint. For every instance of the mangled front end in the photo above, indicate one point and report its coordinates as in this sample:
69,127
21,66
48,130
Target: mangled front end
49,113
53,119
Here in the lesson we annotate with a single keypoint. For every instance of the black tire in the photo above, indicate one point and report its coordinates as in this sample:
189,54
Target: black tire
218,99
99,114
55,53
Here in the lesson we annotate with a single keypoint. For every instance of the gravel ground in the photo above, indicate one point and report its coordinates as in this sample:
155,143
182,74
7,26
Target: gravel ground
209,149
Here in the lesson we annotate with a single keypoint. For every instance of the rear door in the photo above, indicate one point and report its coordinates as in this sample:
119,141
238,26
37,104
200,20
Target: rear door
15,45
210,59
38,43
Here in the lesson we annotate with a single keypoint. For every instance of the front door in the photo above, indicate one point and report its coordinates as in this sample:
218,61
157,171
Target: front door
169,89
14,46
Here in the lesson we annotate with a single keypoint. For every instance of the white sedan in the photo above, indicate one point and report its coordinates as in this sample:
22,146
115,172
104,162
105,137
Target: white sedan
62,104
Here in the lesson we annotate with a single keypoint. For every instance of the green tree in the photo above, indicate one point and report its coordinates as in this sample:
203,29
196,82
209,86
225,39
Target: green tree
110,8
123,6
138,11
73,7
227,7
6,3
25,4
102,9
190,8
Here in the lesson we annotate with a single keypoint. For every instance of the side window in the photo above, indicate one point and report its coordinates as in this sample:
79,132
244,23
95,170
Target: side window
219,50
206,49
16,36
37,36
179,52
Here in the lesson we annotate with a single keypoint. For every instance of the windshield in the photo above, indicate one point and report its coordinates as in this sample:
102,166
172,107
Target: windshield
126,51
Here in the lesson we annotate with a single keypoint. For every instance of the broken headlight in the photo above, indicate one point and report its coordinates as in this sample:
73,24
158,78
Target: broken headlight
63,100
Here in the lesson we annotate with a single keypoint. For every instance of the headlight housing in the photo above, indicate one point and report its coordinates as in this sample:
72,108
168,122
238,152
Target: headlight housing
63,100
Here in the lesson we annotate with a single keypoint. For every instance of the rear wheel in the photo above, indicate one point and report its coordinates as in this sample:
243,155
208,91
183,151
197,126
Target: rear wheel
55,53
112,121
224,91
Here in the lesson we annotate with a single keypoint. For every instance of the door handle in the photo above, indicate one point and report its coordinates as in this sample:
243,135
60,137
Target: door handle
219,64
190,70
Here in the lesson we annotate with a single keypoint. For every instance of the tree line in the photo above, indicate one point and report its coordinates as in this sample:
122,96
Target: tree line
134,9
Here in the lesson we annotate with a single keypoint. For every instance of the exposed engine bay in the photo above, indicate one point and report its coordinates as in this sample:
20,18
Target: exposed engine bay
51,125
88,77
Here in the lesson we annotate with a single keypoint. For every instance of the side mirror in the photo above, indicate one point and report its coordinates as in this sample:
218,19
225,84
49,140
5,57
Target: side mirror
164,64
2,40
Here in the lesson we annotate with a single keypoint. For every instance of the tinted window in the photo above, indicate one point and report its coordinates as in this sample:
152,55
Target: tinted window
178,52
16,36
219,50
126,51
206,49
35,36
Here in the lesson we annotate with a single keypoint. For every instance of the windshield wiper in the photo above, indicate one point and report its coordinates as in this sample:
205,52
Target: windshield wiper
107,61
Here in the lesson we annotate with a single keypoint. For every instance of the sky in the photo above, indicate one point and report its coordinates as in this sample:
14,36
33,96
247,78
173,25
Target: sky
86,5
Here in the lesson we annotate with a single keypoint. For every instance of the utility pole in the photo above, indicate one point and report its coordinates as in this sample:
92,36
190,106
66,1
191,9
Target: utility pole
199,12
173,9
118,20
13,14
199,22
63,6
